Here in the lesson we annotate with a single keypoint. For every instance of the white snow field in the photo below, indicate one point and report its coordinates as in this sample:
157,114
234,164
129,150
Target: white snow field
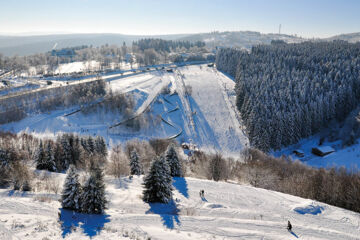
207,117
227,211
348,157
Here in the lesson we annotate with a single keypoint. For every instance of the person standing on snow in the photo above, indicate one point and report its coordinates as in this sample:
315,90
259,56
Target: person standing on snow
289,226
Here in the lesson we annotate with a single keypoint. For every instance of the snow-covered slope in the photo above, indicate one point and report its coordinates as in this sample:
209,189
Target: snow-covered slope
348,157
228,211
207,117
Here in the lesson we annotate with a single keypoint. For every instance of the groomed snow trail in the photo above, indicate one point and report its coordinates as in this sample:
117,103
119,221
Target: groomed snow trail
228,211
211,103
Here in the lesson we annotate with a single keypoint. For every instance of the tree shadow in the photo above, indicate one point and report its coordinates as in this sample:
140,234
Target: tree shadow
11,193
294,234
92,224
169,213
181,185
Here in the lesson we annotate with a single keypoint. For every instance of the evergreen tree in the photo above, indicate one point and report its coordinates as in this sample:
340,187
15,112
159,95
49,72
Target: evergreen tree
135,166
67,153
93,197
49,160
40,157
100,146
90,145
292,90
158,182
4,159
72,191
173,161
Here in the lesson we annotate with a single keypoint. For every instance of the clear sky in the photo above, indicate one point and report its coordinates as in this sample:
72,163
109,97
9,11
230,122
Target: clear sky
307,18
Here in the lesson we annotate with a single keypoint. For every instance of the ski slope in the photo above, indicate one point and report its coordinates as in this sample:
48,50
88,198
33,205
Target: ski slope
228,211
207,117
212,103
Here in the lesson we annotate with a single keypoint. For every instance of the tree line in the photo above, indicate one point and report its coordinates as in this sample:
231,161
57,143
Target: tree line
160,161
161,45
147,51
286,92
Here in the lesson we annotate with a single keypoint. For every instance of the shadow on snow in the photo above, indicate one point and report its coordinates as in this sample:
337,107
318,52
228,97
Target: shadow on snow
181,185
92,224
169,213
294,234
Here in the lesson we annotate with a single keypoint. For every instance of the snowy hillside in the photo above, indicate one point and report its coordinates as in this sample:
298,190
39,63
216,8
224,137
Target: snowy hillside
228,211
206,117
348,157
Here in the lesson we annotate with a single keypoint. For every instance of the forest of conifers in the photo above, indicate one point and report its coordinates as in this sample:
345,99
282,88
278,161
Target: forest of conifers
286,92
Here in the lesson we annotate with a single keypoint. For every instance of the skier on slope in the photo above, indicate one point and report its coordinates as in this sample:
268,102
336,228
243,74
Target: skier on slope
289,226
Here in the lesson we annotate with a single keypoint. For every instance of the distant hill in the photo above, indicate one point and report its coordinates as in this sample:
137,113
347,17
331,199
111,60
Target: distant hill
241,39
25,45
350,37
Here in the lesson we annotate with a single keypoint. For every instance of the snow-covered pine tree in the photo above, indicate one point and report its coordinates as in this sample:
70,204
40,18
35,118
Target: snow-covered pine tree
66,156
93,198
173,161
90,145
135,166
100,146
158,182
83,143
4,159
40,157
72,191
49,160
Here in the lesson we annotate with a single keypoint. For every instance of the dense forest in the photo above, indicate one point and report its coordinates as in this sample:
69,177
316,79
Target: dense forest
161,45
286,92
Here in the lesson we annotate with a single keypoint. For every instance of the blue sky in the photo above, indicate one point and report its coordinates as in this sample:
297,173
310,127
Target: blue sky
307,18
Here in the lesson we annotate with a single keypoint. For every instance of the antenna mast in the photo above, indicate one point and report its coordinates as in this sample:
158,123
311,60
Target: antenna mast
280,29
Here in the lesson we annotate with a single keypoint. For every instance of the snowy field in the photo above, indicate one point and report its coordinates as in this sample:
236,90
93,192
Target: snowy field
206,117
227,211
348,157
76,67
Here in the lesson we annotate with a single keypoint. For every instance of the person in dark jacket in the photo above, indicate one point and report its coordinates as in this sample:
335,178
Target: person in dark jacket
289,226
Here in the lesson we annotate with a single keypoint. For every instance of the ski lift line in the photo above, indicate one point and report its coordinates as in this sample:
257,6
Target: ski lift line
189,115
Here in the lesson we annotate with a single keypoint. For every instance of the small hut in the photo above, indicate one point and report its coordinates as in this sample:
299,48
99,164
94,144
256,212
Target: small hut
322,150
299,153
